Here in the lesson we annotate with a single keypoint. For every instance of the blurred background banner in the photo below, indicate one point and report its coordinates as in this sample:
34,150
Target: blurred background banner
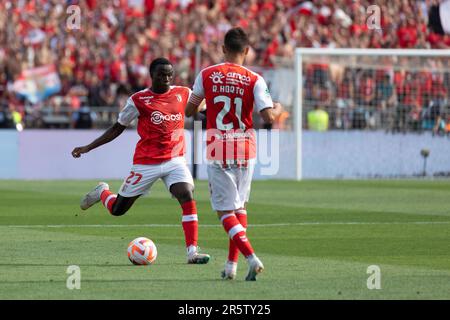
37,84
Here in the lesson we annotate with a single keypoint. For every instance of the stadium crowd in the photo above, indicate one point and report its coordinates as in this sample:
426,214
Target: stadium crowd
107,57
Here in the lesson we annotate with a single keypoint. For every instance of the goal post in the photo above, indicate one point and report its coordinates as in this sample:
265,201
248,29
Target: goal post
414,77
297,113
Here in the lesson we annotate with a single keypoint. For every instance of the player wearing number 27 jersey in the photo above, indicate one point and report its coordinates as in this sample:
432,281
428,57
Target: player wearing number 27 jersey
232,92
159,154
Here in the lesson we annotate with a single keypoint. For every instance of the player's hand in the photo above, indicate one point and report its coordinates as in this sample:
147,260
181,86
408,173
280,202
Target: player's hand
277,108
78,151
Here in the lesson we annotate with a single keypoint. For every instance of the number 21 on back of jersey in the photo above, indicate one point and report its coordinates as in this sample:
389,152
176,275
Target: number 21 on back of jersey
226,109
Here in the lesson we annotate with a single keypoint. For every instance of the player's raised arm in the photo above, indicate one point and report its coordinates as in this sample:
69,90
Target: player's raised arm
126,117
109,135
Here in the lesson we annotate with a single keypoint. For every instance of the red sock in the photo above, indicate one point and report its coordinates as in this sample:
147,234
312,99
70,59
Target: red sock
233,250
237,233
108,199
190,223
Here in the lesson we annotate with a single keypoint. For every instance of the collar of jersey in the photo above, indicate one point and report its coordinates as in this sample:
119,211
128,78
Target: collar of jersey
160,94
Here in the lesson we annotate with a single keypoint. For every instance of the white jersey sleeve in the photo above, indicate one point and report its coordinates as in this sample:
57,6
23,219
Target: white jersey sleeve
198,93
128,113
262,96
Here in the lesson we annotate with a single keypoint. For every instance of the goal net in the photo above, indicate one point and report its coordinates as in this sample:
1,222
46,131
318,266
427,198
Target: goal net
371,113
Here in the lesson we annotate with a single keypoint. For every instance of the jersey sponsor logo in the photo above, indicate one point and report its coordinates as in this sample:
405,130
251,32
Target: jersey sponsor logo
217,77
157,117
146,99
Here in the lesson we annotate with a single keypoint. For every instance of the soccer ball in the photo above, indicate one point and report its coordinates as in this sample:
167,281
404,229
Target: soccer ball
142,251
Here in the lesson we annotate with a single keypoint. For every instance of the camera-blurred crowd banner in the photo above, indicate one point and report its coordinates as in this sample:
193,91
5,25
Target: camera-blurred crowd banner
36,84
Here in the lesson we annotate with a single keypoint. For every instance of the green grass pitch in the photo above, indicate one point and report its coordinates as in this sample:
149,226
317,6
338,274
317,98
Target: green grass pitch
316,239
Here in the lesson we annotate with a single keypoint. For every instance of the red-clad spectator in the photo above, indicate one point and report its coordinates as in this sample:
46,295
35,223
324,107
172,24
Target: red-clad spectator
149,6
366,90
91,4
438,89
407,34
425,79
411,91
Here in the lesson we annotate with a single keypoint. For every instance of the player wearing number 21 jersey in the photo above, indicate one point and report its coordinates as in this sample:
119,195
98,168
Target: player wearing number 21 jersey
159,154
232,92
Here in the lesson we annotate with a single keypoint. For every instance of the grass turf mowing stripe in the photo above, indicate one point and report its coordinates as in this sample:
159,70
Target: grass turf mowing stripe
315,238
218,225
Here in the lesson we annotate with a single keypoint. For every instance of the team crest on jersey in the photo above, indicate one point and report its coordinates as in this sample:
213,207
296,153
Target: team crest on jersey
179,97
217,77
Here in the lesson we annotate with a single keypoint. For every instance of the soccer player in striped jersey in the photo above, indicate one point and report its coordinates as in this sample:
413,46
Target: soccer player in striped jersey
232,92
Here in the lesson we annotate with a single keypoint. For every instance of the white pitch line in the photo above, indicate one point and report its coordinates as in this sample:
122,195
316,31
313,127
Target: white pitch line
219,225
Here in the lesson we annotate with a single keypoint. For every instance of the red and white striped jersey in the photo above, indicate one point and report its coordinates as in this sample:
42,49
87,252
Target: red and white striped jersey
160,123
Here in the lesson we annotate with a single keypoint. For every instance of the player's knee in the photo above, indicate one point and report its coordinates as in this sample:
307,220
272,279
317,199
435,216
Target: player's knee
185,195
220,214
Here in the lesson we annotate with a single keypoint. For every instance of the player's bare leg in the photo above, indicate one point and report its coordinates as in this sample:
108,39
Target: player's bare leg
237,233
121,205
117,205
184,193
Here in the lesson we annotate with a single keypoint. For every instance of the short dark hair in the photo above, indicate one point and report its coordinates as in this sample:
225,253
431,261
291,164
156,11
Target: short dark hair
157,62
236,40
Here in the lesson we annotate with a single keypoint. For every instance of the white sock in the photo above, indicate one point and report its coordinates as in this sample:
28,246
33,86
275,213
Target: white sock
231,264
251,257
231,267
191,250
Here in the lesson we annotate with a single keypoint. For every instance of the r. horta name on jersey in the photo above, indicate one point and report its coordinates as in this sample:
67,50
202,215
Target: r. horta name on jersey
228,89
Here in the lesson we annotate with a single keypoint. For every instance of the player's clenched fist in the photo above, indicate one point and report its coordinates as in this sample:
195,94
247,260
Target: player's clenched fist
78,151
